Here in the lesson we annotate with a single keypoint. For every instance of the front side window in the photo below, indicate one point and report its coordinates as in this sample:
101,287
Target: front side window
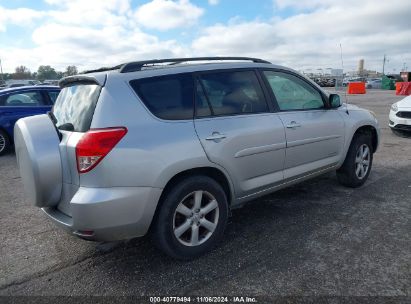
168,97
229,93
24,99
292,92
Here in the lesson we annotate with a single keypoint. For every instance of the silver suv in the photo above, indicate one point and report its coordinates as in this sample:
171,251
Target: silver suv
170,148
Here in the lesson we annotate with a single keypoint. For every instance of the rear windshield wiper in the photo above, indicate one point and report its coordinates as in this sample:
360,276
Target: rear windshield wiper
66,127
52,117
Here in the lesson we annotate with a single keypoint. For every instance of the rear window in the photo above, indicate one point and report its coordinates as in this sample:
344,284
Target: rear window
168,97
74,107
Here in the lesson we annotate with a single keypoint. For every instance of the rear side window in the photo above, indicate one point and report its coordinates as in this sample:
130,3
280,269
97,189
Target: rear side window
229,93
168,97
53,96
74,107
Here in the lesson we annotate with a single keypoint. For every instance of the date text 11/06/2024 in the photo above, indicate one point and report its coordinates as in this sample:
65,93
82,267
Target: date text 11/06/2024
188,299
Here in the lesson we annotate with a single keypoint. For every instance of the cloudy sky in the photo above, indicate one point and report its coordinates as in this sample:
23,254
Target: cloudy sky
302,34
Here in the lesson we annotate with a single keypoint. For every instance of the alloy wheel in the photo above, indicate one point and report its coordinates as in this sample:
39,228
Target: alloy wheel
195,218
362,161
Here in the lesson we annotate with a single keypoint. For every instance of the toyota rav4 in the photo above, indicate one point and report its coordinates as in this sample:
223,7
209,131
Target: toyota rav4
171,146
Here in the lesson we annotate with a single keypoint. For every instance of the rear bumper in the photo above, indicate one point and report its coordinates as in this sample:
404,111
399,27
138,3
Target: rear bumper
108,214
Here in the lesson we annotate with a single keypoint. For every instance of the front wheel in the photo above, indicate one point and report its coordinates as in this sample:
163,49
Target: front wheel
4,143
192,218
357,165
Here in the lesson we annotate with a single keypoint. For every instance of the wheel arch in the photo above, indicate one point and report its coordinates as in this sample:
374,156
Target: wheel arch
8,140
5,131
9,136
362,129
368,130
219,176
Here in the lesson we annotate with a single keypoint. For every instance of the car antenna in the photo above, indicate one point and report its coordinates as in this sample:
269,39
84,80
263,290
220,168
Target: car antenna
345,93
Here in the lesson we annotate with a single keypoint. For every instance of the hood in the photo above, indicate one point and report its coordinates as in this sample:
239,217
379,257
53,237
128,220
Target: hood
351,107
405,103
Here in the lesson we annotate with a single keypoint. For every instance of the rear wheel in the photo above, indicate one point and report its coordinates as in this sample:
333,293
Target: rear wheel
357,165
192,218
4,143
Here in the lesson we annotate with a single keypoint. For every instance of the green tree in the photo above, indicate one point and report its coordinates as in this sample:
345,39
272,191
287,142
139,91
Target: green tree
71,70
46,72
21,72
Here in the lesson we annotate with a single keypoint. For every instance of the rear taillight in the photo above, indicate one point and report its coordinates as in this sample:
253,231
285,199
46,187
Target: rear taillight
95,145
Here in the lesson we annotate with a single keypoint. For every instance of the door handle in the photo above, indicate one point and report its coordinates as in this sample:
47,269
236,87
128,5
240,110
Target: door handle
216,136
293,125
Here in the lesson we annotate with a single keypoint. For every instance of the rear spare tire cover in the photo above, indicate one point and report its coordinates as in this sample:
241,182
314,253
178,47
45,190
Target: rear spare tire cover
38,157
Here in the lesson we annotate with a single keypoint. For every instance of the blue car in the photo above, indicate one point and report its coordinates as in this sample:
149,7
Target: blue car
16,103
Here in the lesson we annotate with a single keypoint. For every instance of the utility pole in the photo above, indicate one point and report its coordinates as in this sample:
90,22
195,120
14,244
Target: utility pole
1,70
383,65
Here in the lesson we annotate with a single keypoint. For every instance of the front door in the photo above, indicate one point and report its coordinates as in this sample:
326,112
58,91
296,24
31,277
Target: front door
314,133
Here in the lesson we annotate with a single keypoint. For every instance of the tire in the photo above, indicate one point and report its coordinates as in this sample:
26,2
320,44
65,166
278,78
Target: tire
350,174
173,231
4,143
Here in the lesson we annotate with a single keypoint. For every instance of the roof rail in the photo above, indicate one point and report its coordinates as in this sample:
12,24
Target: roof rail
103,69
138,65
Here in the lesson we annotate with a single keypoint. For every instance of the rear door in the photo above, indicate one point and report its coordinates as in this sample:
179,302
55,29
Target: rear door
314,133
16,105
238,129
73,112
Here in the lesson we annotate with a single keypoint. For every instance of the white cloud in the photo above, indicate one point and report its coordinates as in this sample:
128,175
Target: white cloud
167,14
88,48
18,17
88,34
93,33
311,39
90,12
252,38
304,4
213,2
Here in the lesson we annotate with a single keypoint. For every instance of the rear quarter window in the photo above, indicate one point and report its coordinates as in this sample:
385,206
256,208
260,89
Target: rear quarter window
168,97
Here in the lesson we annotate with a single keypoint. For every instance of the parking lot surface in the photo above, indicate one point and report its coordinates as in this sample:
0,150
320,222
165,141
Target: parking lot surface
316,238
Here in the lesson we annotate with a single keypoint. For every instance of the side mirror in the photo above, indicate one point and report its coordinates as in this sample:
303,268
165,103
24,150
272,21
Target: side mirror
335,101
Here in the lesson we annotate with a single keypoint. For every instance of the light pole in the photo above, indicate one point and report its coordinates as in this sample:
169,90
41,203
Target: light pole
1,70
383,64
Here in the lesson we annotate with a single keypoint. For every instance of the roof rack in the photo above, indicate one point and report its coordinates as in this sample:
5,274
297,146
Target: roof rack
138,65
103,69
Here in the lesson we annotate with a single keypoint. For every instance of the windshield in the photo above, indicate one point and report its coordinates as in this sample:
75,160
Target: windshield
74,107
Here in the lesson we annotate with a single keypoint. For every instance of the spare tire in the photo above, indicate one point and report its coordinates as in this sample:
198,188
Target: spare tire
38,156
